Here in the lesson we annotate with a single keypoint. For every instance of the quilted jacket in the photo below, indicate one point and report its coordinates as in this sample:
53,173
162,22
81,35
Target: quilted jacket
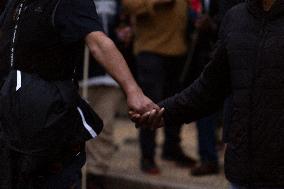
248,64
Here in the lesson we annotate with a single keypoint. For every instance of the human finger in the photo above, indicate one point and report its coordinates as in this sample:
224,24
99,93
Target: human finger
152,116
142,121
157,119
134,116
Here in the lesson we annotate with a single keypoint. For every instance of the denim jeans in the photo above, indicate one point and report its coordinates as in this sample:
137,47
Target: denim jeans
207,139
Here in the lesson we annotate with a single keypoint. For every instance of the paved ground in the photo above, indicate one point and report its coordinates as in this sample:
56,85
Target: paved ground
125,171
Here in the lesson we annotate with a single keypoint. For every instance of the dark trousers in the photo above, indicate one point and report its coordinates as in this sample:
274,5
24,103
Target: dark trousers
158,77
207,139
70,176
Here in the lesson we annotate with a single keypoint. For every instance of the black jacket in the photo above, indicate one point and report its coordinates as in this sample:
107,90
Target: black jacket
225,5
248,64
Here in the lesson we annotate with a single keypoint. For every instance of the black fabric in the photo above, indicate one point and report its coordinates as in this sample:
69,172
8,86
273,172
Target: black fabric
40,50
74,19
40,122
22,171
91,118
41,129
248,64
33,123
3,5
226,5
50,50
6,27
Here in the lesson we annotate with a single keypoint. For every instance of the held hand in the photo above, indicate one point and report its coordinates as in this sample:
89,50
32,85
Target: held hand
139,103
152,119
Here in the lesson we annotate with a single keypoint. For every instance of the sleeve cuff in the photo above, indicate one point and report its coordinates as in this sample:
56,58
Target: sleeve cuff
169,118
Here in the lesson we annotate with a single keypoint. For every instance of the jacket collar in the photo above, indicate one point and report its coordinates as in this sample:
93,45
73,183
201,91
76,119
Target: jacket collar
255,7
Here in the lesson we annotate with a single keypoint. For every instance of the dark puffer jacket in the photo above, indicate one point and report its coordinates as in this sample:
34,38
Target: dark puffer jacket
249,64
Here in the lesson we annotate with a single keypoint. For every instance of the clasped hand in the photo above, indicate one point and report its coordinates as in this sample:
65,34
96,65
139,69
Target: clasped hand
143,111
152,119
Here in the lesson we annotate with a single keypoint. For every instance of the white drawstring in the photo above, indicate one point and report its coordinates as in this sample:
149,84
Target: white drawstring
19,80
86,125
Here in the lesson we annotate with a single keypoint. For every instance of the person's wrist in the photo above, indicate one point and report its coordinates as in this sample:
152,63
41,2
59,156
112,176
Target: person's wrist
133,90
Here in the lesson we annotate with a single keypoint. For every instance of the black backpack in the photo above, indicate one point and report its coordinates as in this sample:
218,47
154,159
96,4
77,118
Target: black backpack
38,114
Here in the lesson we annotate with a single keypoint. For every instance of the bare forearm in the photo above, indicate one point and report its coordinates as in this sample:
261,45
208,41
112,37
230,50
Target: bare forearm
106,54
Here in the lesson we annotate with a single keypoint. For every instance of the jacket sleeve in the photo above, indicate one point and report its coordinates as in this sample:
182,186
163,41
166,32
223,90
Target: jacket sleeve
205,96
139,7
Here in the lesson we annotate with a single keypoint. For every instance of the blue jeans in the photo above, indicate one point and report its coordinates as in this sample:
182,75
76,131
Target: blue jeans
207,139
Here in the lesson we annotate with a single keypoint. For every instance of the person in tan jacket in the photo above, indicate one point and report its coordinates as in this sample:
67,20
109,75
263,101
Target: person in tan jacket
160,47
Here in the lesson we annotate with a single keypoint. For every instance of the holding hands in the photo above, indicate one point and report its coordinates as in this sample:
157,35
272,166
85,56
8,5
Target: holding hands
152,119
144,112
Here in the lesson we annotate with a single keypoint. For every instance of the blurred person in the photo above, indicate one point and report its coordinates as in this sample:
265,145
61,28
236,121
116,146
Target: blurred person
125,38
206,25
44,39
247,64
160,47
